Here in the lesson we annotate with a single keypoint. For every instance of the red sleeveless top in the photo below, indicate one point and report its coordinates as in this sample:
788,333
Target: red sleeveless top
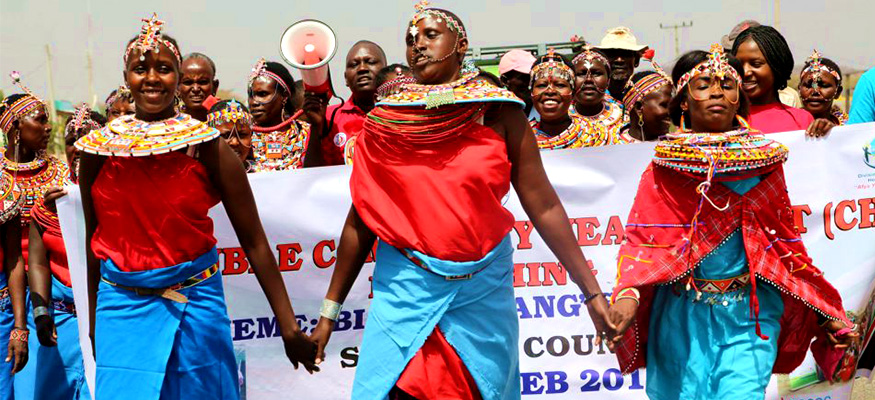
56,252
152,211
438,190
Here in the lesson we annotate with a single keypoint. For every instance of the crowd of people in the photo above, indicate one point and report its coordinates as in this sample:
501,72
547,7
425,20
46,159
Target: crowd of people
709,296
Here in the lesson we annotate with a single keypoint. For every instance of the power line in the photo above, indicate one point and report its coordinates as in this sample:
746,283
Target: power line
677,42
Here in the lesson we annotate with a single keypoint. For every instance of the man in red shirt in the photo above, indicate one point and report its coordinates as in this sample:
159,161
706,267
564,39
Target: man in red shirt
363,62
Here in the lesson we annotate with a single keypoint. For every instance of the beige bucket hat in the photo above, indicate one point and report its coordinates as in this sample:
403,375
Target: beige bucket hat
621,38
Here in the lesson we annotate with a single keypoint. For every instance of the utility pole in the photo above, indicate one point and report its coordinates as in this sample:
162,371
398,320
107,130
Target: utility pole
677,40
53,115
88,55
56,140
778,14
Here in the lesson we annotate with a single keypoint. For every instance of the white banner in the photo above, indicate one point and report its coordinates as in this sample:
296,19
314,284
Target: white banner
303,212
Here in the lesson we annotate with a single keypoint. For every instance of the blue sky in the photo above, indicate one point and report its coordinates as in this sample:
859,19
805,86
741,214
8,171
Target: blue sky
236,33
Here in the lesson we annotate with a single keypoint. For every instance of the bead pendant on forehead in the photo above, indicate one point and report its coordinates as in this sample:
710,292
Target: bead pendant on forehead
588,64
414,30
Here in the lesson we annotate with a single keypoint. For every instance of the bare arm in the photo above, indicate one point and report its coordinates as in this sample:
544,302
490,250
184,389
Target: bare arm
230,179
540,201
39,277
542,205
356,241
14,266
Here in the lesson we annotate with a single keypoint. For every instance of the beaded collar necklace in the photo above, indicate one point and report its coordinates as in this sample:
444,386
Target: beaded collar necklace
580,133
393,86
611,113
11,198
439,95
281,150
126,136
33,186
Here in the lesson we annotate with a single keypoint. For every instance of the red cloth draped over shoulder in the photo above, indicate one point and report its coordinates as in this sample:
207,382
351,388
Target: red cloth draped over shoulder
56,252
152,211
432,180
655,252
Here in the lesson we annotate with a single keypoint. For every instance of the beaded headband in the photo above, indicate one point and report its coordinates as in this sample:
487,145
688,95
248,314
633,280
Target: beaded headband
121,92
260,69
28,105
392,86
814,64
422,11
81,119
150,38
551,65
588,55
233,112
716,65
645,86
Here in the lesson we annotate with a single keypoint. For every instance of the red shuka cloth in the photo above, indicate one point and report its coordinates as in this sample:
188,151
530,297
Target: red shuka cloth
443,199
152,211
437,373
56,252
765,219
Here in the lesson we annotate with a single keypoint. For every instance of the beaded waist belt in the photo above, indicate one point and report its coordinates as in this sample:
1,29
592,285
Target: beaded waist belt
416,261
63,306
722,285
171,292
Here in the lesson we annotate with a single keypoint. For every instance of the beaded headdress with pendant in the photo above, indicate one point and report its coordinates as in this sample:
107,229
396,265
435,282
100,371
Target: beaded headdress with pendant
150,39
814,63
28,105
717,65
551,65
637,91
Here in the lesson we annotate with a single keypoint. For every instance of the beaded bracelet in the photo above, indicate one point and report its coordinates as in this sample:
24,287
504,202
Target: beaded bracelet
625,294
592,296
19,334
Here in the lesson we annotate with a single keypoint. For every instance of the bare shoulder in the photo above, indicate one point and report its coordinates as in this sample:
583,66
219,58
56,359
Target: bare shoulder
505,118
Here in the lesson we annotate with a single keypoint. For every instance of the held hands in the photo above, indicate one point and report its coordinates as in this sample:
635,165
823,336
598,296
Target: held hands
622,314
300,349
321,334
840,335
598,311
